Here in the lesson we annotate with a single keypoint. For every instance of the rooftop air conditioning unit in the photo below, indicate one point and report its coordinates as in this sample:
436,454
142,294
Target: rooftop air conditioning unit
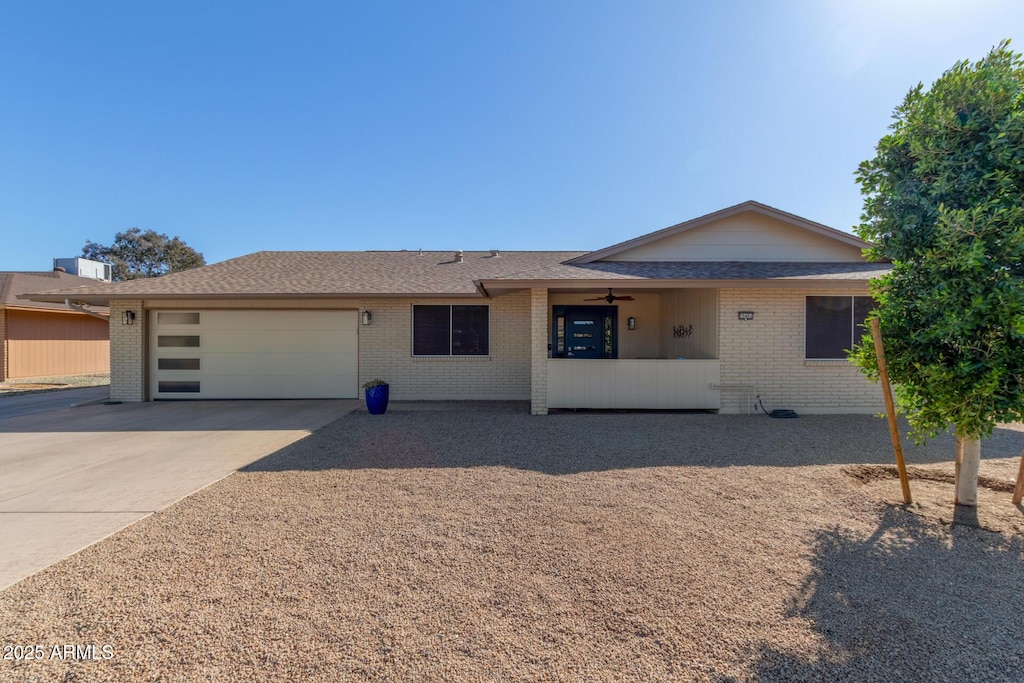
83,267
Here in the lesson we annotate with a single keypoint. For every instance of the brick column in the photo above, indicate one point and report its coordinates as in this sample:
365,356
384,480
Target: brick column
539,336
3,345
127,353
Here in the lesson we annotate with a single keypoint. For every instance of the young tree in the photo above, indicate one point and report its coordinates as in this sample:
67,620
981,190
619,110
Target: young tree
136,254
944,201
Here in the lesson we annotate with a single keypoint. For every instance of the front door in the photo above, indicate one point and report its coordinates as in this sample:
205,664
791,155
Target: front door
588,332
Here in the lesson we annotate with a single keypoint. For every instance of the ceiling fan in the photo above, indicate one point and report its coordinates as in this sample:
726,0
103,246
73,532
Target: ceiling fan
611,297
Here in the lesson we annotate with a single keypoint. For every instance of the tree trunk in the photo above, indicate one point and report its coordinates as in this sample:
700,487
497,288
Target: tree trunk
968,458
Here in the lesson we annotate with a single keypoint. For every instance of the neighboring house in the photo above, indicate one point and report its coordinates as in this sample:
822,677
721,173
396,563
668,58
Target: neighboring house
709,314
40,339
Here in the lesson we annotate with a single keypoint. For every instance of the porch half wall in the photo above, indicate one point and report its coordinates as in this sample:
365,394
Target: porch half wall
633,384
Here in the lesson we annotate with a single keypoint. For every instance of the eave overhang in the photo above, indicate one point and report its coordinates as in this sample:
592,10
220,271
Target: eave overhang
495,287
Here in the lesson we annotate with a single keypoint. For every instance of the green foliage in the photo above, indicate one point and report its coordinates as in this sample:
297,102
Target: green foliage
137,254
944,201
375,383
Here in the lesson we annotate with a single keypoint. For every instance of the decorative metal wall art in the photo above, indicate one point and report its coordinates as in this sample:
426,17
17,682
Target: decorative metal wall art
682,331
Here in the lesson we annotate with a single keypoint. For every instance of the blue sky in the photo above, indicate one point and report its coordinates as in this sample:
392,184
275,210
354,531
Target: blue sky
555,124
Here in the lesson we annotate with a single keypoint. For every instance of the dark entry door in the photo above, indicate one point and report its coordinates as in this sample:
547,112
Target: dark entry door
584,332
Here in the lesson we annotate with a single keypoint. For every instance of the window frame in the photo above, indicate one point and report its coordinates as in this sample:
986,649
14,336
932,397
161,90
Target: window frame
854,337
450,354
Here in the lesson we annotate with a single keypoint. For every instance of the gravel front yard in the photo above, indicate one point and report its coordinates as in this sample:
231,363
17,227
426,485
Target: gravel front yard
14,387
491,545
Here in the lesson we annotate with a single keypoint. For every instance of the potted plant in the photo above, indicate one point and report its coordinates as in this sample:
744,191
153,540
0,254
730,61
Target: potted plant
376,396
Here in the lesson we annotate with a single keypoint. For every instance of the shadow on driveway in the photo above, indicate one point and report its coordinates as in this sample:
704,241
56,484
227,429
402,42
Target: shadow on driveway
585,442
177,416
48,401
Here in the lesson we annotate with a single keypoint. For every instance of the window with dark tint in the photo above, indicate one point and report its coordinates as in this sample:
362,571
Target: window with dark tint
431,330
177,364
450,331
469,331
166,341
862,305
834,324
178,387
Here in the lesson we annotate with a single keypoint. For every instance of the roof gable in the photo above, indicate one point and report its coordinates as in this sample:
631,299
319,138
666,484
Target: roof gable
746,232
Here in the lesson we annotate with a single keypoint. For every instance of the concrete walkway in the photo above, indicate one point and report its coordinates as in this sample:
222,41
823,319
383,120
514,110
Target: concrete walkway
74,476
45,401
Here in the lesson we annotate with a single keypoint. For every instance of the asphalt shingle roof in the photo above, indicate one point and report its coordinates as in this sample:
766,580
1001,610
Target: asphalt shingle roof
410,273
14,283
331,273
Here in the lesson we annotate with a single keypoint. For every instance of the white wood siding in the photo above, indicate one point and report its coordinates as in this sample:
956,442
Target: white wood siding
746,237
695,309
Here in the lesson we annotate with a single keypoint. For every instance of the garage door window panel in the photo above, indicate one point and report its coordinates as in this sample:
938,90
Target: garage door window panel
178,364
177,318
178,387
178,341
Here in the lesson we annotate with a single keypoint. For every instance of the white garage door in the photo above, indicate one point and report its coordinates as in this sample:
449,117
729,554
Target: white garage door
253,354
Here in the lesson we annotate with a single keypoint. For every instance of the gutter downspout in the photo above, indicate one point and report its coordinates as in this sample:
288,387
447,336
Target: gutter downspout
82,309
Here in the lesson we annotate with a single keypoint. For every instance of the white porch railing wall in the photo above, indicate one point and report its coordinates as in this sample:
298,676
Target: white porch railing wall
633,383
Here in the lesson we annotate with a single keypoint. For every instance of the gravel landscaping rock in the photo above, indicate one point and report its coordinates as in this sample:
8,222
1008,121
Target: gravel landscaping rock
16,387
489,545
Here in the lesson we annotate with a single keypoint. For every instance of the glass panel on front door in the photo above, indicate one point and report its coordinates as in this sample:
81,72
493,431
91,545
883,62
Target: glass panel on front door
584,332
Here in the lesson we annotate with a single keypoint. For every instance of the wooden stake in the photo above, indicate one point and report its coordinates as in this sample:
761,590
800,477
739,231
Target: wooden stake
957,463
890,410
1018,490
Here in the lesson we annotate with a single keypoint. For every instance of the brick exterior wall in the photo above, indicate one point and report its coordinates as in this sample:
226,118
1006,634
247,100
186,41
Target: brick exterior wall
385,348
127,353
539,336
385,351
3,345
768,352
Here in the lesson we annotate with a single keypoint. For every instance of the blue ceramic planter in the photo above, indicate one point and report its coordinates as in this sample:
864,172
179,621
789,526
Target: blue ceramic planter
377,399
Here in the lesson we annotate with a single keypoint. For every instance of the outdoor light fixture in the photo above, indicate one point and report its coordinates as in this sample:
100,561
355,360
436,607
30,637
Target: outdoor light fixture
745,315
367,317
631,322
129,318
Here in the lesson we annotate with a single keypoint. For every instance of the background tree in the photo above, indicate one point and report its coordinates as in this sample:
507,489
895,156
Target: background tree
136,254
944,200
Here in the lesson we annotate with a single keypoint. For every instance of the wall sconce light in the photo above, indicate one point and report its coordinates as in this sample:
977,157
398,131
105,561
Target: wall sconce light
745,315
631,322
129,318
367,317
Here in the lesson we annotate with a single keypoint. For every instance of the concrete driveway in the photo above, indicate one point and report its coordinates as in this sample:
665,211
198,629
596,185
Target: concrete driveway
71,477
45,401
